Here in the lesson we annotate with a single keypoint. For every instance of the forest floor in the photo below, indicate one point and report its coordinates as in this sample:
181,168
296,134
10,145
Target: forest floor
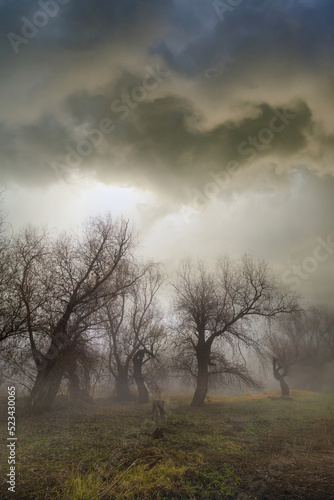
248,447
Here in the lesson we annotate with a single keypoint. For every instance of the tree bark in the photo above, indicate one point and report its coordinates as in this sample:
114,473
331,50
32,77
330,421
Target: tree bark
284,388
122,387
47,385
77,390
203,355
138,360
285,391
51,369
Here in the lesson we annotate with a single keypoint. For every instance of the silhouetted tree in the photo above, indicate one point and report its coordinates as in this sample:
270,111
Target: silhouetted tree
62,284
15,265
83,361
138,361
131,328
223,304
285,347
302,344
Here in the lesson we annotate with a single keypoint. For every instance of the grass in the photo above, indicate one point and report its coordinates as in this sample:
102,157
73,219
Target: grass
250,446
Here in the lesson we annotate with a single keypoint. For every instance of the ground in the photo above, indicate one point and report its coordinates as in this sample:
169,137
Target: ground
249,447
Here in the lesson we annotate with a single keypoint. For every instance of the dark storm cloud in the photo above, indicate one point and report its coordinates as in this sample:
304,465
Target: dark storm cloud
163,139
295,28
292,32
166,141
81,24
24,150
229,80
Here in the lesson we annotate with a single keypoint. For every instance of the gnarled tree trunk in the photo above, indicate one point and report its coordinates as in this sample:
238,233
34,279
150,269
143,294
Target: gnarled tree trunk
285,391
138,360
203,356
77,390
122,386
47,384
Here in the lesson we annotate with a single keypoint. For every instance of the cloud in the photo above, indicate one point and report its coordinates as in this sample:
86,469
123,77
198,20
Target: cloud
226,81
163,144
192,124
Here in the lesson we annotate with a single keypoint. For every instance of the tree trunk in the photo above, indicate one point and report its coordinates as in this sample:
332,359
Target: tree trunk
202,378
122,387
73,385
284,388
77,390
47,385
138,360
285,391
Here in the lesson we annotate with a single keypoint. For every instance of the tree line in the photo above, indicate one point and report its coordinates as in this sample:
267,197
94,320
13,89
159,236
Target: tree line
81,303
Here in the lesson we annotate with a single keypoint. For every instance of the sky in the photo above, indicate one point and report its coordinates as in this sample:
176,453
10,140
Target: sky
208,123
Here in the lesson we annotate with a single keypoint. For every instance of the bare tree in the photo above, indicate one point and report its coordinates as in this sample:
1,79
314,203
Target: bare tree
147,323
21,293
223,304
121,344
83,362
12,317
302,345
148,366
286,347
224,369
11,305
317,347
63,288
22,263
132,330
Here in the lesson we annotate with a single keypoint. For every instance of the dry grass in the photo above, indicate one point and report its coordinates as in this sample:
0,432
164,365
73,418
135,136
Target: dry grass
248,445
